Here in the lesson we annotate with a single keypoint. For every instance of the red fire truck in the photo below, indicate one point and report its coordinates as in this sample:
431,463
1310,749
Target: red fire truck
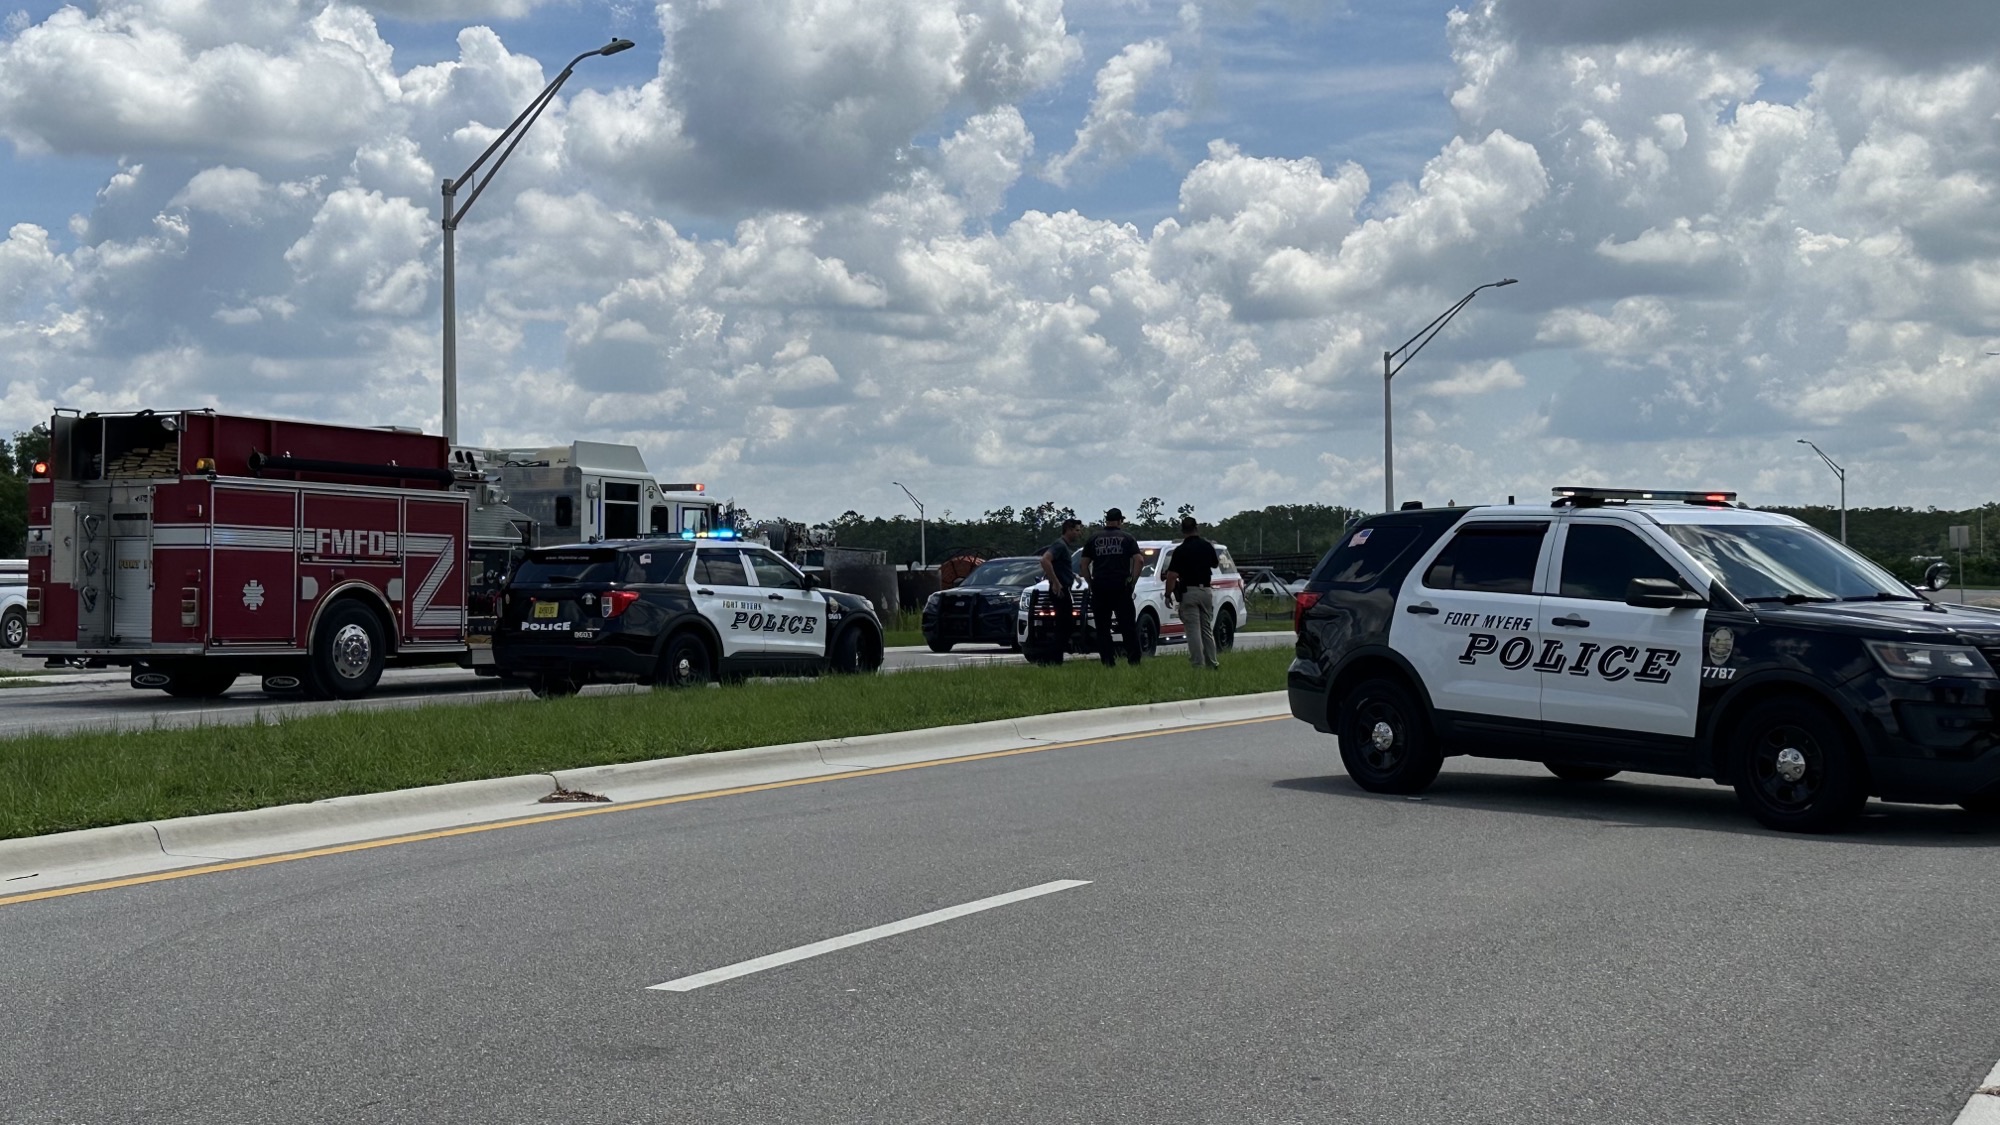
195,547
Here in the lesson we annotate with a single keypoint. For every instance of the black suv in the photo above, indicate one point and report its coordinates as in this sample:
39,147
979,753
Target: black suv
1662,632
674,612
985,609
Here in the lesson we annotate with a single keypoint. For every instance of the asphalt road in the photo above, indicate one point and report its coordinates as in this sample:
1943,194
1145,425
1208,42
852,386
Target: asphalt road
106,700
1257,942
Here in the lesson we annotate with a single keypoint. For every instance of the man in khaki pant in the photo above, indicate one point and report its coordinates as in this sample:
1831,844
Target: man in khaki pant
1194,562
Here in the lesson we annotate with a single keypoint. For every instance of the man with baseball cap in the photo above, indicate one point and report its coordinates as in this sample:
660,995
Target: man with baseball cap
1111,565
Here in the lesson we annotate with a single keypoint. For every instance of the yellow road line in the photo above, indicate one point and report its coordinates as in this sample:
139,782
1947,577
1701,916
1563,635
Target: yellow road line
599,810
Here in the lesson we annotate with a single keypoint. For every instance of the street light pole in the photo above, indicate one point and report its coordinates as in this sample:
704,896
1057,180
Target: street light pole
1389,369
1842,474
452,216
923,550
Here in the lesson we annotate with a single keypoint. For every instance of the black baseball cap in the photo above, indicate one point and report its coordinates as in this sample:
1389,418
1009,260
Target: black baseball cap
1113,514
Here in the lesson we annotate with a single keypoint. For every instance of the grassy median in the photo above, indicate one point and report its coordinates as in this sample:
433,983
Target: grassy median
57,783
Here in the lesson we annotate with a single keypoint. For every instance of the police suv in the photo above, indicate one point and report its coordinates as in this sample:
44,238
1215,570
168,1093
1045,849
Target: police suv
674,612
1663,632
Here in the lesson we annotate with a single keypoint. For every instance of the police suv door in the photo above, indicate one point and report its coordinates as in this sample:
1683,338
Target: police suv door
794,616
1469,621
724,593
1617,672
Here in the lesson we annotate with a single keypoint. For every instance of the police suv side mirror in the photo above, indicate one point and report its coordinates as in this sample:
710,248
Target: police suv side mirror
1661,593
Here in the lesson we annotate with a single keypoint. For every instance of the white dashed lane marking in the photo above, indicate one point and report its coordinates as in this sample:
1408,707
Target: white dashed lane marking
801,953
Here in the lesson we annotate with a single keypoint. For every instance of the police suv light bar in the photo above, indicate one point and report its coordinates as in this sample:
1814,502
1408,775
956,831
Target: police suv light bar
718,533
1595,496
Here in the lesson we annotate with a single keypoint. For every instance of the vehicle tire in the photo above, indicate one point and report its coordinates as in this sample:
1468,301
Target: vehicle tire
1579,773
1386,741
1225,629
1796,767
198,682
1149,633
347,653
685,662
940,646
14,628
851,654
553,687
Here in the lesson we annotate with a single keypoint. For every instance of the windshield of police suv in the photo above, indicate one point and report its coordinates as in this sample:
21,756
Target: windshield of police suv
1006,572
1785,563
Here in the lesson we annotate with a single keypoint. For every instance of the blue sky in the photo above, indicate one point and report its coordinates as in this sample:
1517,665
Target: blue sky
1023,250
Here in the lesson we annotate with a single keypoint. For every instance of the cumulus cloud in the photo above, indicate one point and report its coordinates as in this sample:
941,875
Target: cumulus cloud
1711,262
809,103
1115,131
191,78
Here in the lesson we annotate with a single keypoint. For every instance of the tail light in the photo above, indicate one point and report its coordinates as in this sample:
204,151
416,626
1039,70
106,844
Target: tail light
1300,604
617,601
34,606
190,606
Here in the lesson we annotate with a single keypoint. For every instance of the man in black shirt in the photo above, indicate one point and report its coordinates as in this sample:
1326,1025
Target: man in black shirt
1111,565
1056,567
1193,568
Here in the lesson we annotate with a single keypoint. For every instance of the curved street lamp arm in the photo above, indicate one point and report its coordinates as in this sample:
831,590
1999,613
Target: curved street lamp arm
1430,331
1838,471
517,130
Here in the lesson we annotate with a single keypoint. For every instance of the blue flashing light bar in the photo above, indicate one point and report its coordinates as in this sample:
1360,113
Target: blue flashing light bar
717,533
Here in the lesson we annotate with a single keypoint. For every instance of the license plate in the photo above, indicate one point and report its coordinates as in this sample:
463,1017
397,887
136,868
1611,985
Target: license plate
546,609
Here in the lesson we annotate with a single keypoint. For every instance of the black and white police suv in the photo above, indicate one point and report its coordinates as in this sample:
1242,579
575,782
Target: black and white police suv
1662,632
674,612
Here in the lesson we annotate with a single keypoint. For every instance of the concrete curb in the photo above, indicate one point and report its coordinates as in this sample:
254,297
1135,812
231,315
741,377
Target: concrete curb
39,862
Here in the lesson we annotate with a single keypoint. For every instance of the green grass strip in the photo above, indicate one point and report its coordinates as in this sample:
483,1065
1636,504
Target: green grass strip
57,783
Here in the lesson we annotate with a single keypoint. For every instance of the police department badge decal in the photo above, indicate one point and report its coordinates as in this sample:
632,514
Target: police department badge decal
1721,645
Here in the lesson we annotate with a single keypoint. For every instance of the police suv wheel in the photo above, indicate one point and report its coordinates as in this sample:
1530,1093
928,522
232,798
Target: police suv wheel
1796,768
852,654
14,628
939,646
686,662
347,653
553,687
1579,773
1385,739
1225,629
1149,634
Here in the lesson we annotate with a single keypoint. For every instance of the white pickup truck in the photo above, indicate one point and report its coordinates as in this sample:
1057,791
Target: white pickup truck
13,603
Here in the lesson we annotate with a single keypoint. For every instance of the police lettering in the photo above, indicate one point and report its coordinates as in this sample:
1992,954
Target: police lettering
773,623
1612,664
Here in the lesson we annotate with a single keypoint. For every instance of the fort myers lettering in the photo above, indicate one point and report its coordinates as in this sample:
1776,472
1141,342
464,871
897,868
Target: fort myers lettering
1607,662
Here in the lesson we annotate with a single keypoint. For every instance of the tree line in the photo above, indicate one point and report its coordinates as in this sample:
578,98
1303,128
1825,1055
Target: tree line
1303,530
1892,537
17,461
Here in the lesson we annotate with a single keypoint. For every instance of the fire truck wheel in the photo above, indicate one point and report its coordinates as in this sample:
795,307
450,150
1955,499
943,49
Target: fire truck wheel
346,653
14,628
198,682
686,662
